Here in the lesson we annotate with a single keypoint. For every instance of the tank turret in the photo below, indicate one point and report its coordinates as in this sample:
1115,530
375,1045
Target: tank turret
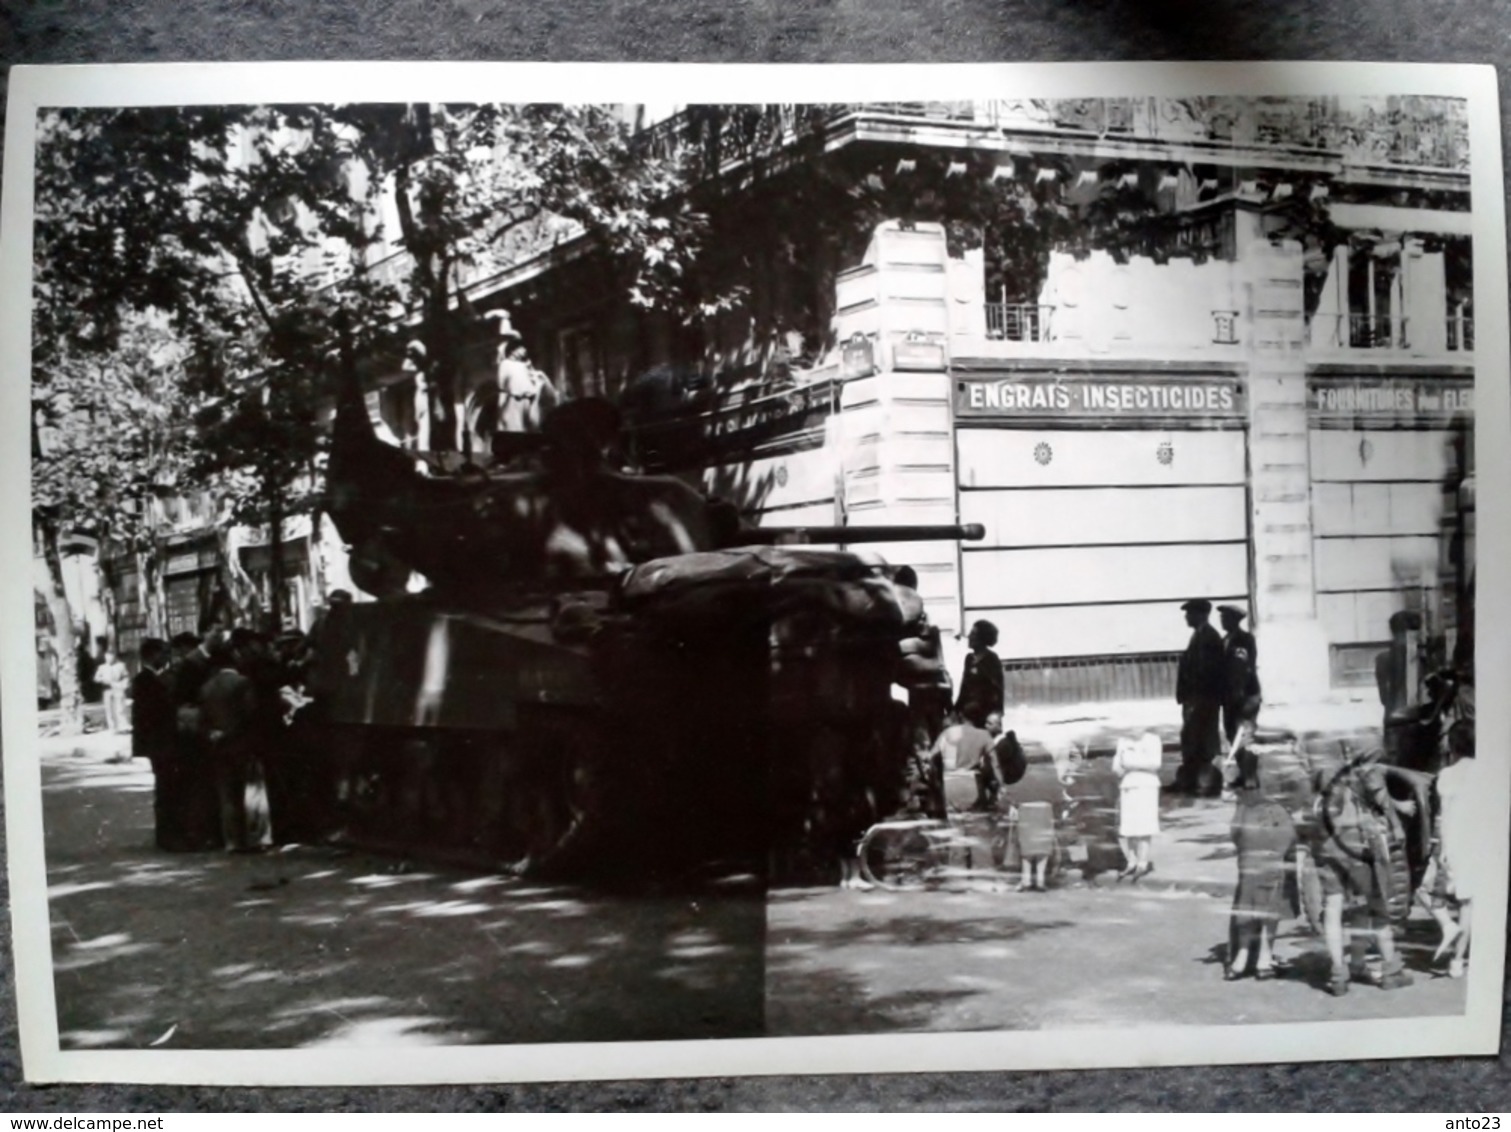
601,654
555,515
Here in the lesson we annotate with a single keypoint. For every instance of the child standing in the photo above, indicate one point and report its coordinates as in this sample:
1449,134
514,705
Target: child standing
1137,766
1264,836
1039,798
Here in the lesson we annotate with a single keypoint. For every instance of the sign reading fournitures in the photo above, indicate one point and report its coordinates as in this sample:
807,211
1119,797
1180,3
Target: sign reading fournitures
1428,399
1099,397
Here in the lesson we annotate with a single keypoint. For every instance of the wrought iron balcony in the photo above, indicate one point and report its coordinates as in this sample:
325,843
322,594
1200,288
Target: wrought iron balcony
1461,334
1373,332
1018,322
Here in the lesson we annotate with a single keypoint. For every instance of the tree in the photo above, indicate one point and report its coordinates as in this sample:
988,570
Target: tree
476,188
248,228
771,181
192,217
110,438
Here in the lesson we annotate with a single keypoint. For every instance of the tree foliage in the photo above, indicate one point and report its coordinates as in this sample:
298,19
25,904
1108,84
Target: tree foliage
110,436
246,230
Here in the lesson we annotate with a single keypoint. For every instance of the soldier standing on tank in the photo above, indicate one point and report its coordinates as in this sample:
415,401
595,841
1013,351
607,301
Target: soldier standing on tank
1393,670
1199,691
518,398
922,669
414,365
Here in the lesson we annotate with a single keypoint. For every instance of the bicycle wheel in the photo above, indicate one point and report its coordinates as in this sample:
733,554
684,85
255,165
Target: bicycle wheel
1398,870
897,857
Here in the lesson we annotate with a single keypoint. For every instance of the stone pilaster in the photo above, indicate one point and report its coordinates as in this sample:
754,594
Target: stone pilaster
894,431
1292,648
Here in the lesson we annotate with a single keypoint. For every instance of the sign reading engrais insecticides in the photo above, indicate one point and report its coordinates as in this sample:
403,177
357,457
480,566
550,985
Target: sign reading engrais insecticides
1129,397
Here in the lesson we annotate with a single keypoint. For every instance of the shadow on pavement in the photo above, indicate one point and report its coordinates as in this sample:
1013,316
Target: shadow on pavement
315,947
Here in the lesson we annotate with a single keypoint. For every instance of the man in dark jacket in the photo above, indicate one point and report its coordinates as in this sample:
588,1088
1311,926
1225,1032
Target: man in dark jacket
1199,691
154,737
229,707
1240,697
196,817
256,661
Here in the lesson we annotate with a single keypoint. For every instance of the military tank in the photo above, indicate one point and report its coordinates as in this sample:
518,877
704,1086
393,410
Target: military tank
603,671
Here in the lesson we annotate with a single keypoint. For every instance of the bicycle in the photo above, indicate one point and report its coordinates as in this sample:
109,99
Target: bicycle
914,850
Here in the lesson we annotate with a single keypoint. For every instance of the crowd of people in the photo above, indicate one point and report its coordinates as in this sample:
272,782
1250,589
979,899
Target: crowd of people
218,718
1344,821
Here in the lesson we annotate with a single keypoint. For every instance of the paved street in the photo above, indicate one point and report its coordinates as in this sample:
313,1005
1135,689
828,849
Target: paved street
1086,956
312,947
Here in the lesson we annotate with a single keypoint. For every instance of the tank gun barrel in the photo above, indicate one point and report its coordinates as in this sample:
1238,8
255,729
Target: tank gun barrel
901,532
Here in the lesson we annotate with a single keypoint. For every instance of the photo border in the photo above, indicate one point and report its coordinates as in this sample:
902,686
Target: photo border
35,88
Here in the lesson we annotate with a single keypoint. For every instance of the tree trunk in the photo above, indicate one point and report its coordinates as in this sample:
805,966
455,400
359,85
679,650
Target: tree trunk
150,574
319,584
106,577
237,587
65,645
425,240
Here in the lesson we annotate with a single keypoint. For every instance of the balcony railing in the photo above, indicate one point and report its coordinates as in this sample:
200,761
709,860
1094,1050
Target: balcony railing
1373,332
1461,334
1030,322
1018,322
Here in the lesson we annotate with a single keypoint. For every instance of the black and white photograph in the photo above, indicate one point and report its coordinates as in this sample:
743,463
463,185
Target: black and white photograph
581,571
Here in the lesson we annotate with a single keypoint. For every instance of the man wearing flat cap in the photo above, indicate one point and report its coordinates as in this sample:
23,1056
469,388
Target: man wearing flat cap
1199,690
1240,696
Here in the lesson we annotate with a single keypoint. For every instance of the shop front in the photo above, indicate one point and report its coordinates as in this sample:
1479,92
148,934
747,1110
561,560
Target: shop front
190,585
295,594
1389,452
1110,495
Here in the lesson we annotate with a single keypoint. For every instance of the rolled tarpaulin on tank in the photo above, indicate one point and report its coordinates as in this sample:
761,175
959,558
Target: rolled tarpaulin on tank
711,590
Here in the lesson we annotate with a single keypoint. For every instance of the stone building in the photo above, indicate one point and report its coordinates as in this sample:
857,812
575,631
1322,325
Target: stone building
1160,348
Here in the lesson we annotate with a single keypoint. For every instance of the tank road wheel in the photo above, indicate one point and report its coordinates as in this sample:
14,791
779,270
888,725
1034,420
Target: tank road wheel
898,855
560,796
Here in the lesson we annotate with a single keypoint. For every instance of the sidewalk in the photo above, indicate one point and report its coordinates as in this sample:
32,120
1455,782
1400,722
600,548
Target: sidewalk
1194,851
1096,727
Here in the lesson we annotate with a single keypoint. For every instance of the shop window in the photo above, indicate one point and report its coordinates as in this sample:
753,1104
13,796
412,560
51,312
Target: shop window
1353,665
183,606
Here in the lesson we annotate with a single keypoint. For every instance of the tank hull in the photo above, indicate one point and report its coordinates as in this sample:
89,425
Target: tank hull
735,712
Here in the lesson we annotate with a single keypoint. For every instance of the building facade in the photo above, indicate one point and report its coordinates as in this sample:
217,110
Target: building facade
1268,402
1158,348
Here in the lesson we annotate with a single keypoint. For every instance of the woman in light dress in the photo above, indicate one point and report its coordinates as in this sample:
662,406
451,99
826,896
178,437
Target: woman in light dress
1136,765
